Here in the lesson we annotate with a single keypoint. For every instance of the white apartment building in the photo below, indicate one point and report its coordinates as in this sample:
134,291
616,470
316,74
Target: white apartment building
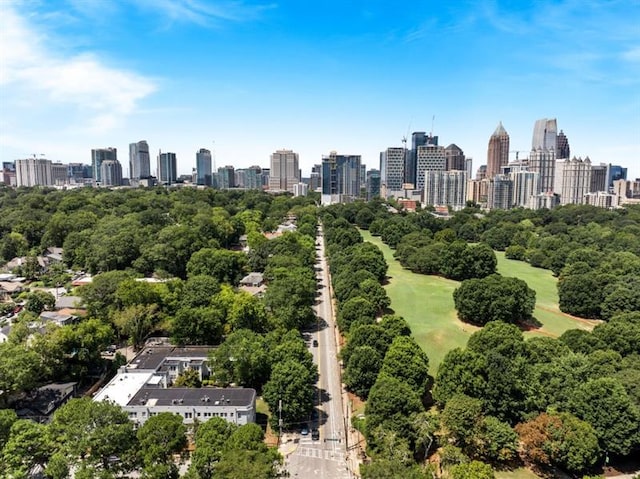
33,172
445,188
572,180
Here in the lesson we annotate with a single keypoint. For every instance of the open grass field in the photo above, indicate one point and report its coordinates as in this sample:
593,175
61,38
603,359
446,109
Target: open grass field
516,474
426,302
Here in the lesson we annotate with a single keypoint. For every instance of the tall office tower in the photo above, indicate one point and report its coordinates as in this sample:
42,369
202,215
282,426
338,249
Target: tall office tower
59,174
226,177
543,162
139,161
253,178
363,175
111,173
445,188
599,176
300,189
314,181
285,171
498,151
33,172
203,167
430,158
572,180
525,185
167,168
616,172
500,193
477,191
455,158
76,172
392,165
373,184
418,139
340,178
545,133
266,174
622,188
481,174
562,146
468,166
97,157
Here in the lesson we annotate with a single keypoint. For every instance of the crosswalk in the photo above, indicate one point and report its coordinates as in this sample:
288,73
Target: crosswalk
320,454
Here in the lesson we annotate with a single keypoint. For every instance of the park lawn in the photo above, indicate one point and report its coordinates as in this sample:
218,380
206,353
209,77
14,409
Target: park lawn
520,473
426,302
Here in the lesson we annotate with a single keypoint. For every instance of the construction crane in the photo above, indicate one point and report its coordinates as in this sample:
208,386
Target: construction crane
517,152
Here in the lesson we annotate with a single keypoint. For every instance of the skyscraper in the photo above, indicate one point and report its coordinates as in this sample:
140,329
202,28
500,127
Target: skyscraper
498,151
226,177
572,180
340,178
430,157
203,167
562,146
455,158
545,132
373,184
543,162
285,170
167,168
111,173
525,185
392,165
97,157
500,192
139,161
445,188
616,172
33,172
599,176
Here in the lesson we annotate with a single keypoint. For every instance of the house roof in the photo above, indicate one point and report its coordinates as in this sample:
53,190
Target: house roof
10,286
70,302
230,397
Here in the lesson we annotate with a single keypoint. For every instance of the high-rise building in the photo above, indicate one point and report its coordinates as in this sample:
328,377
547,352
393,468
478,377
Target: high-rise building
430,157
562,146
468,167
392,164
300,189
545,132
445,188
340,178
111,173
602,199
543,162
285,171
418,139
498,151
59,174
599,176
203,167
481,173
226,177
572,180
139,161
616,172
455,158
33,172
500,193
373,184
97,157
477,191
167,168
525,185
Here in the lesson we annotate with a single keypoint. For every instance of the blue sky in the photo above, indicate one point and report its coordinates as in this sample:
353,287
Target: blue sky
245,78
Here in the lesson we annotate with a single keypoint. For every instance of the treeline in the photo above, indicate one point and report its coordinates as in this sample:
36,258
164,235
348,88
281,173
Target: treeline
571,403
97,440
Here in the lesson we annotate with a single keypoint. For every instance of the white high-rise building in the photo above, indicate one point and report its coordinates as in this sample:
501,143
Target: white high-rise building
525,185
572,180
285,171
111,173
139,161
33,172
445,188
392,162
429,158
543,162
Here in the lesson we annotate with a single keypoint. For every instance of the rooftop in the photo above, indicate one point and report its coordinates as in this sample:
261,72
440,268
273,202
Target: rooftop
123,387
151,358
232,397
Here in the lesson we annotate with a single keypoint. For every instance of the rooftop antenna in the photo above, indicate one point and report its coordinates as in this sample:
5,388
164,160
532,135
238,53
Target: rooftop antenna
433,119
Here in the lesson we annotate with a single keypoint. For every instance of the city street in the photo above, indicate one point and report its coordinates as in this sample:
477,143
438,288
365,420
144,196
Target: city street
325,457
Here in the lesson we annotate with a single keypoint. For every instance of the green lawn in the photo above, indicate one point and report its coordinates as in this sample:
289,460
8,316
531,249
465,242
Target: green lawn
426,302
516,474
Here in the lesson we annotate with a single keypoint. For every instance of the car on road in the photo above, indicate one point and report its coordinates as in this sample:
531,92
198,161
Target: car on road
315,435
315,343
304,431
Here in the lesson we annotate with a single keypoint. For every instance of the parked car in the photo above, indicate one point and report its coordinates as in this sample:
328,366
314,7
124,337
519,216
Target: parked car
305,431
315,343
315,435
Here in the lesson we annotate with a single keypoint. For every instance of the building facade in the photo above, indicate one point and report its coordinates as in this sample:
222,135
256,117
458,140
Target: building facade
99,155
111,173
285,170
497,151
525,185
572,180
167,168
445,188
562,146
543,162
500,192
139,161
455,159
392,165
340,178
203,167
33,172
545,132
430,158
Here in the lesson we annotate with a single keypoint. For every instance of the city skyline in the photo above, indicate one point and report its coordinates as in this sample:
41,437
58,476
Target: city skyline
246,79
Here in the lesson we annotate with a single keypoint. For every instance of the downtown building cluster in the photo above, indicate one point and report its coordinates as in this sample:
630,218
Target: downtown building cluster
422,172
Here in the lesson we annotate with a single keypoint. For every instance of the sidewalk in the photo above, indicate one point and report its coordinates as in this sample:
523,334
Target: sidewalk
288,445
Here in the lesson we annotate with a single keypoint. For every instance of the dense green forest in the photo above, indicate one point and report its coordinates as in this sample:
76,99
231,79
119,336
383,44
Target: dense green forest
570,403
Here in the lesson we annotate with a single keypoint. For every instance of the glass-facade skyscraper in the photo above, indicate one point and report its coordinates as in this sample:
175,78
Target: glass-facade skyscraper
340,178
203,167
167,168
139,160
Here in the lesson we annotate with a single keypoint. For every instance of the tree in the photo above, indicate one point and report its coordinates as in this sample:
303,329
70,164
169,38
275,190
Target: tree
355,309
100,294
366,335
189,378
239,464
291,383
38,301
375,293
495,440
7,418
395,325
202,325
137,322
243,359
199,291
561,440
160,437
582,294
461,417
362,370
91,432
605,404
494,298
223,265
405,360
19,368
472,470
210,438
392,404
28,446
383,468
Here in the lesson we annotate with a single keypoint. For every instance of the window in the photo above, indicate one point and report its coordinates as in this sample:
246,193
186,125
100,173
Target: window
188,415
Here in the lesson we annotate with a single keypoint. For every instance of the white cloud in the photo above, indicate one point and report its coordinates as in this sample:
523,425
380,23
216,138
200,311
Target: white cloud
34,75
632,55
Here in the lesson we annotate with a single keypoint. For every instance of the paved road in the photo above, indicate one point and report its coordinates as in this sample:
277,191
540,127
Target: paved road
325,458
